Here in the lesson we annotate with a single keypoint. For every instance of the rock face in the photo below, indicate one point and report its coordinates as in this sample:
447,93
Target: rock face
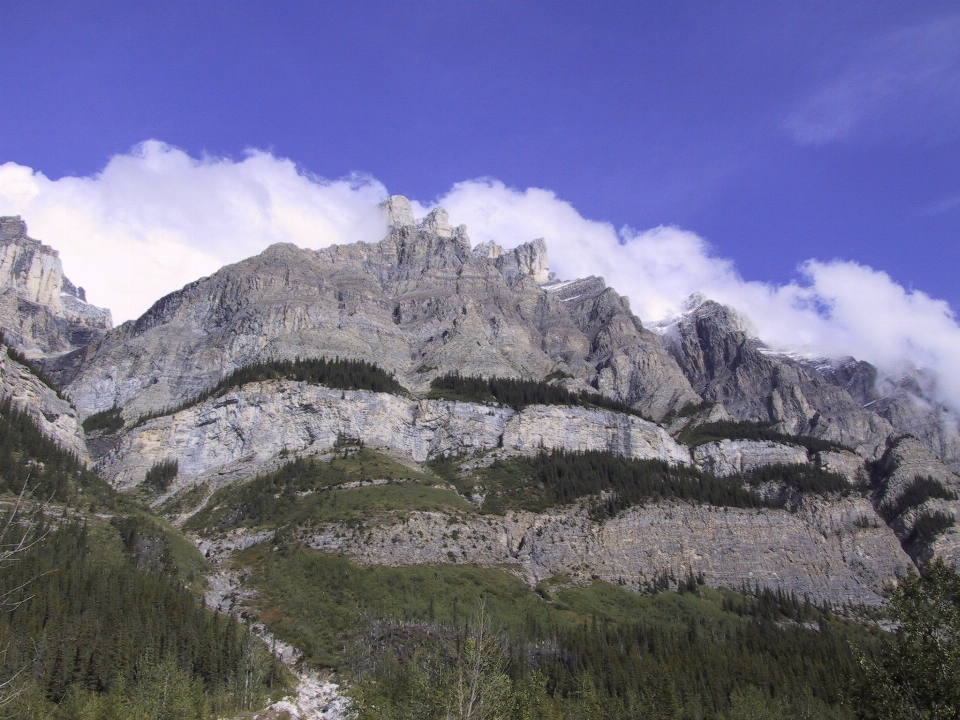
630,361
735,457
55,417
420,303
41,311
906,461
253,426
834,550
724,364
906,403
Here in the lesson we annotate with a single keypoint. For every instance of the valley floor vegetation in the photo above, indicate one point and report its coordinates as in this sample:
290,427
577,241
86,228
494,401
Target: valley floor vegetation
444,642
416,641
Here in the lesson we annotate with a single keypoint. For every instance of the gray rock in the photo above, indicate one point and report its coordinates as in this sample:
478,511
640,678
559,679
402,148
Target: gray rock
906,402
41,312
906,460
420,303
725,364
55,417
736,457
830,550
244,432
630,362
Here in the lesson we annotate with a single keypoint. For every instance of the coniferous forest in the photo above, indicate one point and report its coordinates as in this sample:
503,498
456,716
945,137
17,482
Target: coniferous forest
99,616
519,393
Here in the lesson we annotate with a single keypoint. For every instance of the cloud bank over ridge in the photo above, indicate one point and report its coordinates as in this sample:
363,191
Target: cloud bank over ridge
155,219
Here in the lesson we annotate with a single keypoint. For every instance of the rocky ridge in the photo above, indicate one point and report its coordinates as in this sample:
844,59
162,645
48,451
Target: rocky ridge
424,302
725,364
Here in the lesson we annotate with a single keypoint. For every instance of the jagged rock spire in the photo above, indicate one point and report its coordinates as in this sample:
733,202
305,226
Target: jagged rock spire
398,211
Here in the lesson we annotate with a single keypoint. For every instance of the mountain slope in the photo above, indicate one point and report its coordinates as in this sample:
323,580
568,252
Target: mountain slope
420,302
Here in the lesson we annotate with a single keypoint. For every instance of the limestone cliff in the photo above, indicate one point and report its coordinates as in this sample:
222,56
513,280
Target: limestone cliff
54,416
41,311
261,422
835,550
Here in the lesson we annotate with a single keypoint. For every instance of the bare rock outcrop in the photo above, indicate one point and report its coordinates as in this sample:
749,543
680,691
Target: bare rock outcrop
630,361
725,364
253,426
829,549
907,402
41,311
920,498
736,457
54,416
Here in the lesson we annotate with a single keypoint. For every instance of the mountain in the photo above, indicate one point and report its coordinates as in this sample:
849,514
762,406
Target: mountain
41,311
328,402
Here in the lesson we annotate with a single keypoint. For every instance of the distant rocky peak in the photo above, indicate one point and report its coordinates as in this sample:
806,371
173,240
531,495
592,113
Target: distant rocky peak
398,212
12,228
705,313
28,267
488,250
41,311
527,260
437,222
700,316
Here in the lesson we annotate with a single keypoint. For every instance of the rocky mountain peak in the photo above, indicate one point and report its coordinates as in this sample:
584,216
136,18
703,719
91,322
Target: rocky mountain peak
716,317
398,212
27,266
41,311
437,222
526,260
12,228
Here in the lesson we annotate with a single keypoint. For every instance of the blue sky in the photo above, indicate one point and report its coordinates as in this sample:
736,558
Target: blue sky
800,159
777,131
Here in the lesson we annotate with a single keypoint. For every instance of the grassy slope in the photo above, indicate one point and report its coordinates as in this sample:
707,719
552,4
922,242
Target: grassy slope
307,491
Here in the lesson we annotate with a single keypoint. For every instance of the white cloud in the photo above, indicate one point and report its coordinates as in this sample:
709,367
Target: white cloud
903,84
156,219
